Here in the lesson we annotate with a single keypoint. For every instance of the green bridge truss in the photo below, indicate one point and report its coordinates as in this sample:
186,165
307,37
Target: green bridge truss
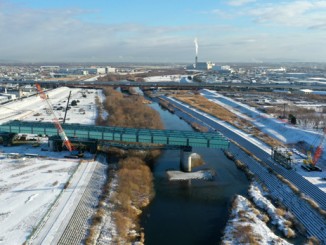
136,135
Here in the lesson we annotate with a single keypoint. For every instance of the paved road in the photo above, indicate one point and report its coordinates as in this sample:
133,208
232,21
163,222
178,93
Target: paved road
173,85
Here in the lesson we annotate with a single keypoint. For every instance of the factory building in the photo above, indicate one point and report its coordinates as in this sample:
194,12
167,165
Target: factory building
204,66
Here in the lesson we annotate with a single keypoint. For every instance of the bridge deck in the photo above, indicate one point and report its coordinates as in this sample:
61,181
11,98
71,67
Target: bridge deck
139,135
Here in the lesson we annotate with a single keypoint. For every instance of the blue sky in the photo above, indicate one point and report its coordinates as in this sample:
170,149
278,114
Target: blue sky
162,31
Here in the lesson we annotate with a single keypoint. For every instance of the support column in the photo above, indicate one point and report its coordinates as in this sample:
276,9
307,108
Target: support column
185,160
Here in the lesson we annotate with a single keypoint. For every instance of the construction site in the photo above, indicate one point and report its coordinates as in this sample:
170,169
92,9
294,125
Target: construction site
56,143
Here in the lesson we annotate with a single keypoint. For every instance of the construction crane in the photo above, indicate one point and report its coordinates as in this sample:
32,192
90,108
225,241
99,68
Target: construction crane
55,120
310,162
320,149
67,106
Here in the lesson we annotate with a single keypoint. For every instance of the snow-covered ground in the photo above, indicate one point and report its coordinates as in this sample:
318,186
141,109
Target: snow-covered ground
30,186
167,78
277,129
274,127
245,227
108,230
35,109
262,202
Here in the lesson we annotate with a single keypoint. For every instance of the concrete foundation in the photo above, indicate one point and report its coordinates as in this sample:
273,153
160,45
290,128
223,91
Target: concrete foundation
185,160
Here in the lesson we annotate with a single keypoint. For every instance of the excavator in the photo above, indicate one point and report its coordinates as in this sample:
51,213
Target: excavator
309,164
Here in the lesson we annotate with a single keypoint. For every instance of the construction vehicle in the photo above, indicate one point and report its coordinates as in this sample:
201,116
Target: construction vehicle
55,120
309,164
282,156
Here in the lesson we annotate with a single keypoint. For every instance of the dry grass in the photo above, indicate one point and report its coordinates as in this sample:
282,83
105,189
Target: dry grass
290,233
280,212
244,168
265,218
244,235
134,192
310,201
220,112
313,204
128,111
199,127
313,241
135,181
196,162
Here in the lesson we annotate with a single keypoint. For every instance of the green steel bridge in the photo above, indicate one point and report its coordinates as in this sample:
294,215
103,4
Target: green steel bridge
120,134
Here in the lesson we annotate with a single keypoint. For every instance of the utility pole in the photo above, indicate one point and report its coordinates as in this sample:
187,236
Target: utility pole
284,110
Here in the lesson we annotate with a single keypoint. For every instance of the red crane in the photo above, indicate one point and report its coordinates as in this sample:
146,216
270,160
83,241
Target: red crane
319,150
55,120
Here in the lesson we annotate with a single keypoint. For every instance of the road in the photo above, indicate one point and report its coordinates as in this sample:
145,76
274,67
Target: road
168,84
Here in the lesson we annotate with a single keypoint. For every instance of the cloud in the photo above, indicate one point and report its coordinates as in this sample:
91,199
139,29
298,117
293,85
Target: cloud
238,3
64,35
306,14
60,35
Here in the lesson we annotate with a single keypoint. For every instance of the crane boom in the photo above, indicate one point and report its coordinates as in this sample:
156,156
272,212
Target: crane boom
319,150
55,120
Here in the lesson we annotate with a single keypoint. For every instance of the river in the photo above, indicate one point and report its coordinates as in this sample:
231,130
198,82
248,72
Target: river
190,212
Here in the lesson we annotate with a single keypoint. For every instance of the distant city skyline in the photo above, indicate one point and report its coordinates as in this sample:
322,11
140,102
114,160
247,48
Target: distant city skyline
162,31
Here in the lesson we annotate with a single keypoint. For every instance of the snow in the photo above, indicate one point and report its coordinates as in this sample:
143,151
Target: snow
244,135
30,186
265,204
108,230
35,109
272,126
54,223
179,175
168,78
275,128
243,216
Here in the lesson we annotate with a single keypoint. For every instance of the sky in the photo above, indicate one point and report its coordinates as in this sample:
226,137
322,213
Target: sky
162,30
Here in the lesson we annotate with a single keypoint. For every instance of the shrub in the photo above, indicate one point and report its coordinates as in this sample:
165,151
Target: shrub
244,235
280,212
290,233
313,241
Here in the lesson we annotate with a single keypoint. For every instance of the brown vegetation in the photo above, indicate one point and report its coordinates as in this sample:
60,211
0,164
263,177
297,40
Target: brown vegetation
313,241
244,168
199,127
128,111
220,112
196,162
135,191
280,212
244,235
135,181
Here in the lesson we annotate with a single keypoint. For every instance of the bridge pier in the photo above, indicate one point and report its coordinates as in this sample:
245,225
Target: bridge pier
7,138
185,160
